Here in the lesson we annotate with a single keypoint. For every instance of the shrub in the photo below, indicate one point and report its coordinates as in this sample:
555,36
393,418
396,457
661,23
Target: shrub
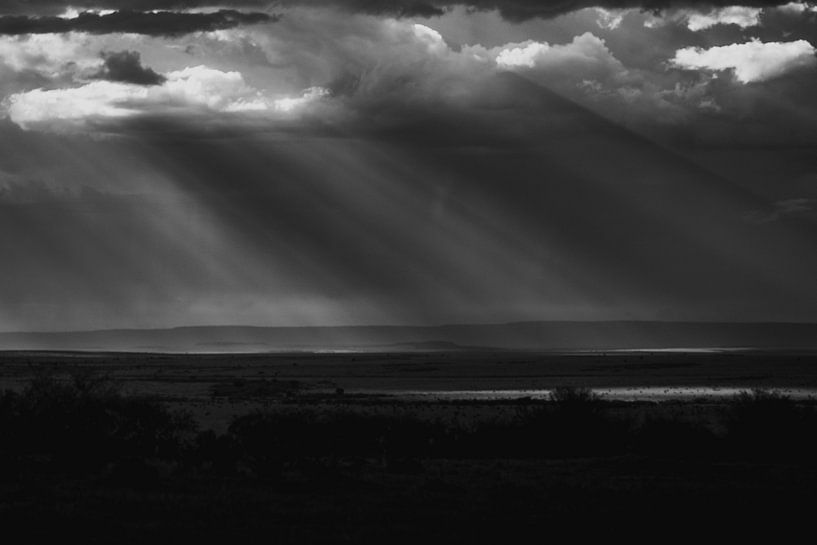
762,424
83,424
571,396
269,442
673,438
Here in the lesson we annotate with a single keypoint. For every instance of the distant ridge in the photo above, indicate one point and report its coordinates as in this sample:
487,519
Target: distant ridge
550,335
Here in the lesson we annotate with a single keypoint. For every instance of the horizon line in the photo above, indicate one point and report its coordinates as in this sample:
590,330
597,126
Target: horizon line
410,326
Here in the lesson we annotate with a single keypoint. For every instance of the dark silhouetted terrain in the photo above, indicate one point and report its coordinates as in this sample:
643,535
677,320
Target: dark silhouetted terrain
513,336
79,457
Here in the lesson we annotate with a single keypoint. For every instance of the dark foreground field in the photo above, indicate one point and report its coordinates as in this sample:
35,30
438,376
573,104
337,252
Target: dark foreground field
293,459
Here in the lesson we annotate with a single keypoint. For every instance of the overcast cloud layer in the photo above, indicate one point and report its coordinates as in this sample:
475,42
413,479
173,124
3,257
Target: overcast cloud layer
513,9
152,23
342,162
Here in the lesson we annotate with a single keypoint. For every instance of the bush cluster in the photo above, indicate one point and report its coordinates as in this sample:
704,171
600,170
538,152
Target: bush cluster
85,425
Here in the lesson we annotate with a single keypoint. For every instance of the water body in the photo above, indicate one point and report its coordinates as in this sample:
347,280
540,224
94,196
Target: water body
650,393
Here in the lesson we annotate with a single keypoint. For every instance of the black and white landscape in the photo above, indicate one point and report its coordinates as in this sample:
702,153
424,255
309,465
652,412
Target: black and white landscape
346,271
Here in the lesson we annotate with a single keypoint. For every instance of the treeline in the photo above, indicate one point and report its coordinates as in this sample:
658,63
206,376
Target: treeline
86,426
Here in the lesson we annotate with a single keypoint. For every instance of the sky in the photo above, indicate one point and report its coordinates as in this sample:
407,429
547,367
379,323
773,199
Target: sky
344,162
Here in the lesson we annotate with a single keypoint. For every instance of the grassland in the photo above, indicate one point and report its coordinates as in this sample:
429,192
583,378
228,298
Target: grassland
133,448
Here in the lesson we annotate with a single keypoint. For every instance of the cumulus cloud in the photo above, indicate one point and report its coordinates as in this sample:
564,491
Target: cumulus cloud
368,61
751,61
702,19
371,72
375,68
377,71
797,8
584,54
362,60
154,23
609,19
522,54
705,18
741,16
48,54
197,89
409,63
97,99
289,104
582,68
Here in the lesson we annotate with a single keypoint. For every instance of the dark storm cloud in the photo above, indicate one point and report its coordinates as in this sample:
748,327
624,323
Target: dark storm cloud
55,7
511,9
165,23
792,25
521,10
516,10
126,67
